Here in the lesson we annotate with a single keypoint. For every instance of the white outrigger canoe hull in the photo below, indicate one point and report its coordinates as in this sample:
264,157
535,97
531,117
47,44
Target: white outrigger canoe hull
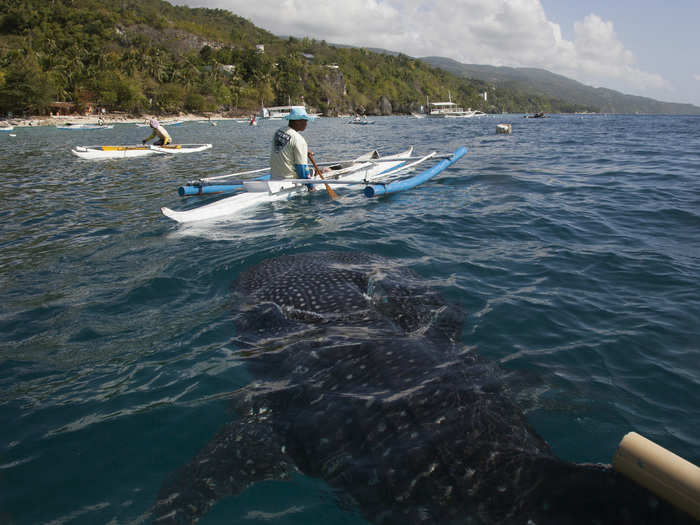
120,152
162,123
260,191
84,127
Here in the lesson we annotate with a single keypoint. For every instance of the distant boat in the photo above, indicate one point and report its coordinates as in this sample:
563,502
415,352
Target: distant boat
536,115
450,110
280,112
275,112
162,123
72,126
360,120
7,128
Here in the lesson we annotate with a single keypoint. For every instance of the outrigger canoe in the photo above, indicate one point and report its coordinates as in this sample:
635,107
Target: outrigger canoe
378,175
162,123
120,152
82,127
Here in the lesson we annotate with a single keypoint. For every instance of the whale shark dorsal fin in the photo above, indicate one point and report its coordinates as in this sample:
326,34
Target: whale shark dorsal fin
194,489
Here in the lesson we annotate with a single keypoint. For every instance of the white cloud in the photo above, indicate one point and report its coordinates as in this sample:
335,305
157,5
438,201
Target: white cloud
600,58
497,32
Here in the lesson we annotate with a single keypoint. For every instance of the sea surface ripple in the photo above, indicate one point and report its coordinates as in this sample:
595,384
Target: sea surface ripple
572,244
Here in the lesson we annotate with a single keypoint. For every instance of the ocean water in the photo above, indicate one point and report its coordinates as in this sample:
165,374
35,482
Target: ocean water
573,246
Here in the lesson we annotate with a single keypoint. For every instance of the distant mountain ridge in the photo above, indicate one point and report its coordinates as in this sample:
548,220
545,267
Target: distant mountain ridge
151,57
545,83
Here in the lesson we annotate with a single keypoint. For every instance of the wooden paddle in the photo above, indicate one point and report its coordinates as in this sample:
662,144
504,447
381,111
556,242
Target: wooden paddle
331,193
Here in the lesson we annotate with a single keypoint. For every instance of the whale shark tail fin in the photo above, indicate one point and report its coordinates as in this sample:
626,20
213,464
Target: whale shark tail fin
191,491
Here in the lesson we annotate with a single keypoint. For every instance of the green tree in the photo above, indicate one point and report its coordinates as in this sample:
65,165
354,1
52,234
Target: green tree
290,69
26,88
169,98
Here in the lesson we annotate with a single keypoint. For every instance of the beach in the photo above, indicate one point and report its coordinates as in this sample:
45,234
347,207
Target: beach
112,118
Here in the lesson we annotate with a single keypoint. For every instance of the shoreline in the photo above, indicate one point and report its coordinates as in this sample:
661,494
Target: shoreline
109,118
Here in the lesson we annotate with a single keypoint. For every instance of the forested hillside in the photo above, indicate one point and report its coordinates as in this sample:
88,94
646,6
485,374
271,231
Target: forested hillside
148,56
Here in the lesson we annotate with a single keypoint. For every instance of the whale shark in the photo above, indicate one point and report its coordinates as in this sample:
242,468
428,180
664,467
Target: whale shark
361,378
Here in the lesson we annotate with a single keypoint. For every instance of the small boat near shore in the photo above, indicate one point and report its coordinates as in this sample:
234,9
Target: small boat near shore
6,128
140,150
279,112
80,127
162,123
448,110
361,121
378,175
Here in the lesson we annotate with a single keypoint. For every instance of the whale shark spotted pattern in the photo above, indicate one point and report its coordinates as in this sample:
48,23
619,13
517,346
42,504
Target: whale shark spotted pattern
361,380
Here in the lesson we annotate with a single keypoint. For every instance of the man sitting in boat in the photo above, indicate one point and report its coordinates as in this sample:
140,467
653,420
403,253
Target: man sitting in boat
159,130
289,155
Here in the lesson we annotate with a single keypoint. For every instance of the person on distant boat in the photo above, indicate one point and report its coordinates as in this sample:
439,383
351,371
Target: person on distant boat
290,152
163,137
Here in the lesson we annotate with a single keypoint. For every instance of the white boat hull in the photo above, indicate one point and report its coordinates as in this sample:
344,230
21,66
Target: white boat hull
164,124
177,149
259,192
466,114
121,152
83,127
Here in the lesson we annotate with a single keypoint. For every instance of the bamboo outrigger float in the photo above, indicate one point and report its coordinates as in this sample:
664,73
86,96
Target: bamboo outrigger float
367,170
661,471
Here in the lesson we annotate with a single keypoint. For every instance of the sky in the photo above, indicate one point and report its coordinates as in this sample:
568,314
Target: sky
639,47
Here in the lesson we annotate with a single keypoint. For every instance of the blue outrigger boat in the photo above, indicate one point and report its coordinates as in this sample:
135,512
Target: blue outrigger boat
378,175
